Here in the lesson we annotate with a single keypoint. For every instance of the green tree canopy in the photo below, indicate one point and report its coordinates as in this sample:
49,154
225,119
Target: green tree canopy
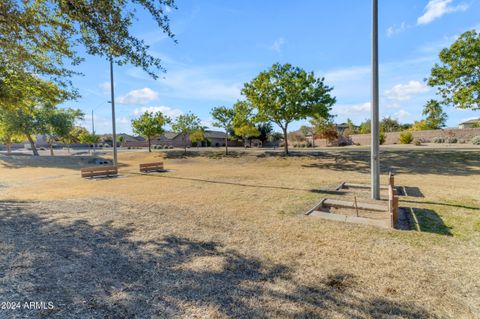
285,93
436,118
185,125
223,117
388,124
243,121
457,78
41,37
149,125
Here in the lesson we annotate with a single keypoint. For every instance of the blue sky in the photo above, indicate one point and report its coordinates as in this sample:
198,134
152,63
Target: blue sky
225,43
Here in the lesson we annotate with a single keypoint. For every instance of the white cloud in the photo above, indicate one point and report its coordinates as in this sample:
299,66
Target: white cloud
404,92
352,109
351,73
166,110
395,30
277,45
105,87
400,115
437,8
141,96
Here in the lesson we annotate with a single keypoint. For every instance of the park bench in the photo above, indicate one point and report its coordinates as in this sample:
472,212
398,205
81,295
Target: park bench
99,171
151,167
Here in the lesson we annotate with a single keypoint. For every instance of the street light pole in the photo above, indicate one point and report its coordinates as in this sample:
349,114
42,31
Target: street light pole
114,134
93,132
375,160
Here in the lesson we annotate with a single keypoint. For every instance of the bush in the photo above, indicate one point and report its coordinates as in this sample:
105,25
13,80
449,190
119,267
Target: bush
438,139
452,140
476,140
406,137
381,138
417,142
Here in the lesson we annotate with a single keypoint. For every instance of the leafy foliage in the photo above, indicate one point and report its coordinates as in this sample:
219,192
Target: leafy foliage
436,118
185,125
476,140
243,121
388,124
285,93
149,125
40,37
457,78
365,127
224,117
406,137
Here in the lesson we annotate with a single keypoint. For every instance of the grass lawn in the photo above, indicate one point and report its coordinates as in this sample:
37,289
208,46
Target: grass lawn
226,237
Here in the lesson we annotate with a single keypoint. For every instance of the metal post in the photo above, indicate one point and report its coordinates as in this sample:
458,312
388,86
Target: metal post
114,134
93,133
375,161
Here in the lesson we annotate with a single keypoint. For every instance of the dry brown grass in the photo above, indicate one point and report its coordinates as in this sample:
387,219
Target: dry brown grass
226,237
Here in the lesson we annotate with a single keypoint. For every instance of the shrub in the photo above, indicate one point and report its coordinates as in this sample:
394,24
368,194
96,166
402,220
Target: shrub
406,137
452,140
381,138
438,139
476,140
417,142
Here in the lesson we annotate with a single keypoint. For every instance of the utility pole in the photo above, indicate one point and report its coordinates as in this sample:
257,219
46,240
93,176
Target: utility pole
375,160
114,134
93,132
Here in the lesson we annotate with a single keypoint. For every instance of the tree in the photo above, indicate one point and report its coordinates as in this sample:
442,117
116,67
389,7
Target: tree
457,78
243,121
8,137
285,93
88,138
365,127
436,118
39,37
56,124
325,128
264,129
223,117
22,121
74,136
185,125
351,129
388,124
197,136
149,125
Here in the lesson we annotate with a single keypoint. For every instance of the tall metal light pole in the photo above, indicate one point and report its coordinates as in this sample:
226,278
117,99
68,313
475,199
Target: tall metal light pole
375,160
114,133
93,132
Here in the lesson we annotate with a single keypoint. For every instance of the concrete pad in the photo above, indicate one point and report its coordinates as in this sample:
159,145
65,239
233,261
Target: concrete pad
383,223
329,216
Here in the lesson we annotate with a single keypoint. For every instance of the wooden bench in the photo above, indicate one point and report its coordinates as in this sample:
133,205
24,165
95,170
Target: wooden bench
151,167
99,171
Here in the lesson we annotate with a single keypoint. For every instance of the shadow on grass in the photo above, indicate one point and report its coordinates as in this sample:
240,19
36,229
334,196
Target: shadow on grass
97,271
438,162
319,191
430,222
47,161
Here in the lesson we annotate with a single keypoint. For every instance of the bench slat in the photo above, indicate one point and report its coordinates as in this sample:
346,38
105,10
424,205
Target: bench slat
148,167
99,171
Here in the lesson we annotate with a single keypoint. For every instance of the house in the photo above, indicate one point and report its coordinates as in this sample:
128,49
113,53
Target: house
470,123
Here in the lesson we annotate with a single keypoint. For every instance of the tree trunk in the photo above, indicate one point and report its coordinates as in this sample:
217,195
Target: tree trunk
9,148
51,149
32,145
149,144
226,142
285,140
